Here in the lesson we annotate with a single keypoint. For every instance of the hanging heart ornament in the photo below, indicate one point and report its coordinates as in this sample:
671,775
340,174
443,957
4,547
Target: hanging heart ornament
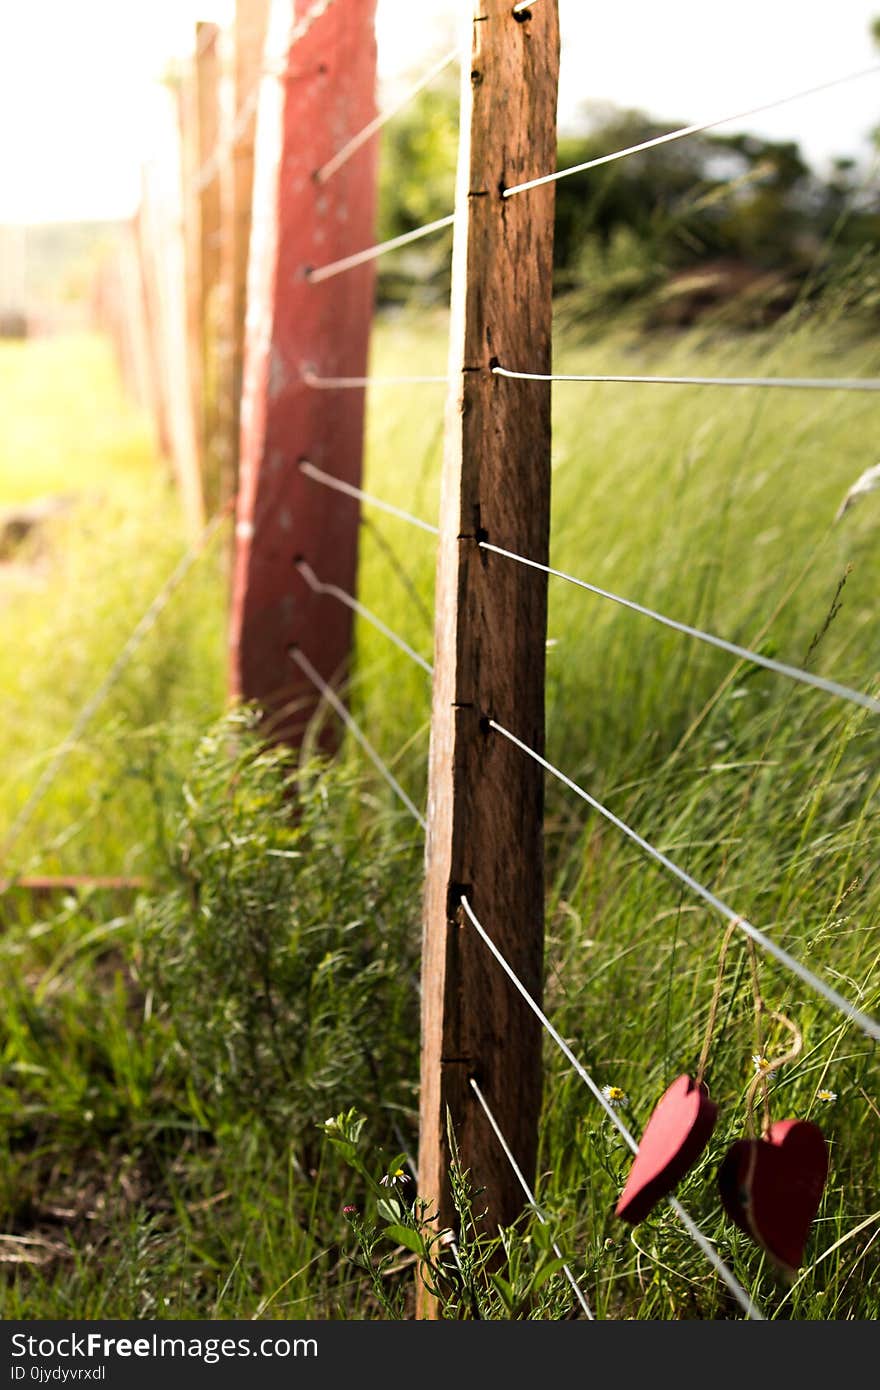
771,1187
675,1136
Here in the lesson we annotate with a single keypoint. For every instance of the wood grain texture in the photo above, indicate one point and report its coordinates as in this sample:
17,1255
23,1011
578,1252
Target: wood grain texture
152,316
161,223
250,24
485,802
324,95
190,164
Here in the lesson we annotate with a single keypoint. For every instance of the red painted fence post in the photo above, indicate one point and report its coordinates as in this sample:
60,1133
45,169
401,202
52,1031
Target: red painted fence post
321,92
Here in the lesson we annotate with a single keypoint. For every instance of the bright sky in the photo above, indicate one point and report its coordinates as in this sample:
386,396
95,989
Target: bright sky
78,78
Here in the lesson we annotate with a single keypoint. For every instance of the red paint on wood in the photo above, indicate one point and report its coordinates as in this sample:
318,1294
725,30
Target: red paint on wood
675,1136
326,95
771,1187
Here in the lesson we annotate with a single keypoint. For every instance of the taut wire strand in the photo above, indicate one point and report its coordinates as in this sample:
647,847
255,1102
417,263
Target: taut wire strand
868,1025
351,146
792,383
371,253
557,1037
311,16
355,730
693,1230
530,1196
715,1001
356,606
351,383
690,130
211,166
327,479
795,673
94,702
247,110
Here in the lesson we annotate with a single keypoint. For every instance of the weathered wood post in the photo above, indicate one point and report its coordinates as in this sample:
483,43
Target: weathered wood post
143,381
150,298
237,180
161,220
207,77
485,800
191,239
322,93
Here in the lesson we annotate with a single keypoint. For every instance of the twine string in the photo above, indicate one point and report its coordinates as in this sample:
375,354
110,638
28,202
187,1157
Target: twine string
716,998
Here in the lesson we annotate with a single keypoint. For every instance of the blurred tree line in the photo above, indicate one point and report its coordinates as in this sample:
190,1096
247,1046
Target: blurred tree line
713,220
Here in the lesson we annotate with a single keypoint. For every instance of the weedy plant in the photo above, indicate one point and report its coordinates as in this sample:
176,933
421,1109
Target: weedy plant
281,962
468,1273
167,1064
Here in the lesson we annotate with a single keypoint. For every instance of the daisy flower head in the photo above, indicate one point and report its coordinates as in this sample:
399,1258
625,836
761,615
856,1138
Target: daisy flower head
398,1177
615,1096
761,1062
826,1097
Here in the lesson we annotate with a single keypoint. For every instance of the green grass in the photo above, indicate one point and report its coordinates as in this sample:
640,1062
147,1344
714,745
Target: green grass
167,1066
71,602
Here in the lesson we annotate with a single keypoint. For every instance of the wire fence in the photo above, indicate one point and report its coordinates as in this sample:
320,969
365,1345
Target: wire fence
144,626
850,1013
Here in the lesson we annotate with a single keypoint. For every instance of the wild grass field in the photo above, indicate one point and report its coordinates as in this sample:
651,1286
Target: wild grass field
168,1061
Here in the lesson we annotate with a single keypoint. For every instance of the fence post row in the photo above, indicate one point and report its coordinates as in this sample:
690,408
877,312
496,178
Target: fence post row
237,176
191,198
212,322
153,326
162,249
324,94
485,802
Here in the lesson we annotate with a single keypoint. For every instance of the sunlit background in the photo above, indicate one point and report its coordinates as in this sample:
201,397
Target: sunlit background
78,83
193,977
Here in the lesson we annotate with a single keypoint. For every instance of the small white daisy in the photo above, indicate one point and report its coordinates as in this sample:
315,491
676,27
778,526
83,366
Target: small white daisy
615,1096
827,1097
391,1179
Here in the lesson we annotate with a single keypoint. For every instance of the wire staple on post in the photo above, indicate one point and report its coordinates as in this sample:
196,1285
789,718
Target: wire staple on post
795,673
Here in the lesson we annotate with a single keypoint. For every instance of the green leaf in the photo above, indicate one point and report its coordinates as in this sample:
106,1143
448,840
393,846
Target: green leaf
545,1272
505,1290
389,1209
541,1235
402,1235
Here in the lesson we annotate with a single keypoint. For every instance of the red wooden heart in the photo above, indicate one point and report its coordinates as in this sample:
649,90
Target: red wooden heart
771,1187
675,1136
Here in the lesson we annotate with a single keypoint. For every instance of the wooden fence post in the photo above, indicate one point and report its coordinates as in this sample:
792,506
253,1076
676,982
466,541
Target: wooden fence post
161,214
191,243
211,326
325,94
142,382
485,800
237,180
150,299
